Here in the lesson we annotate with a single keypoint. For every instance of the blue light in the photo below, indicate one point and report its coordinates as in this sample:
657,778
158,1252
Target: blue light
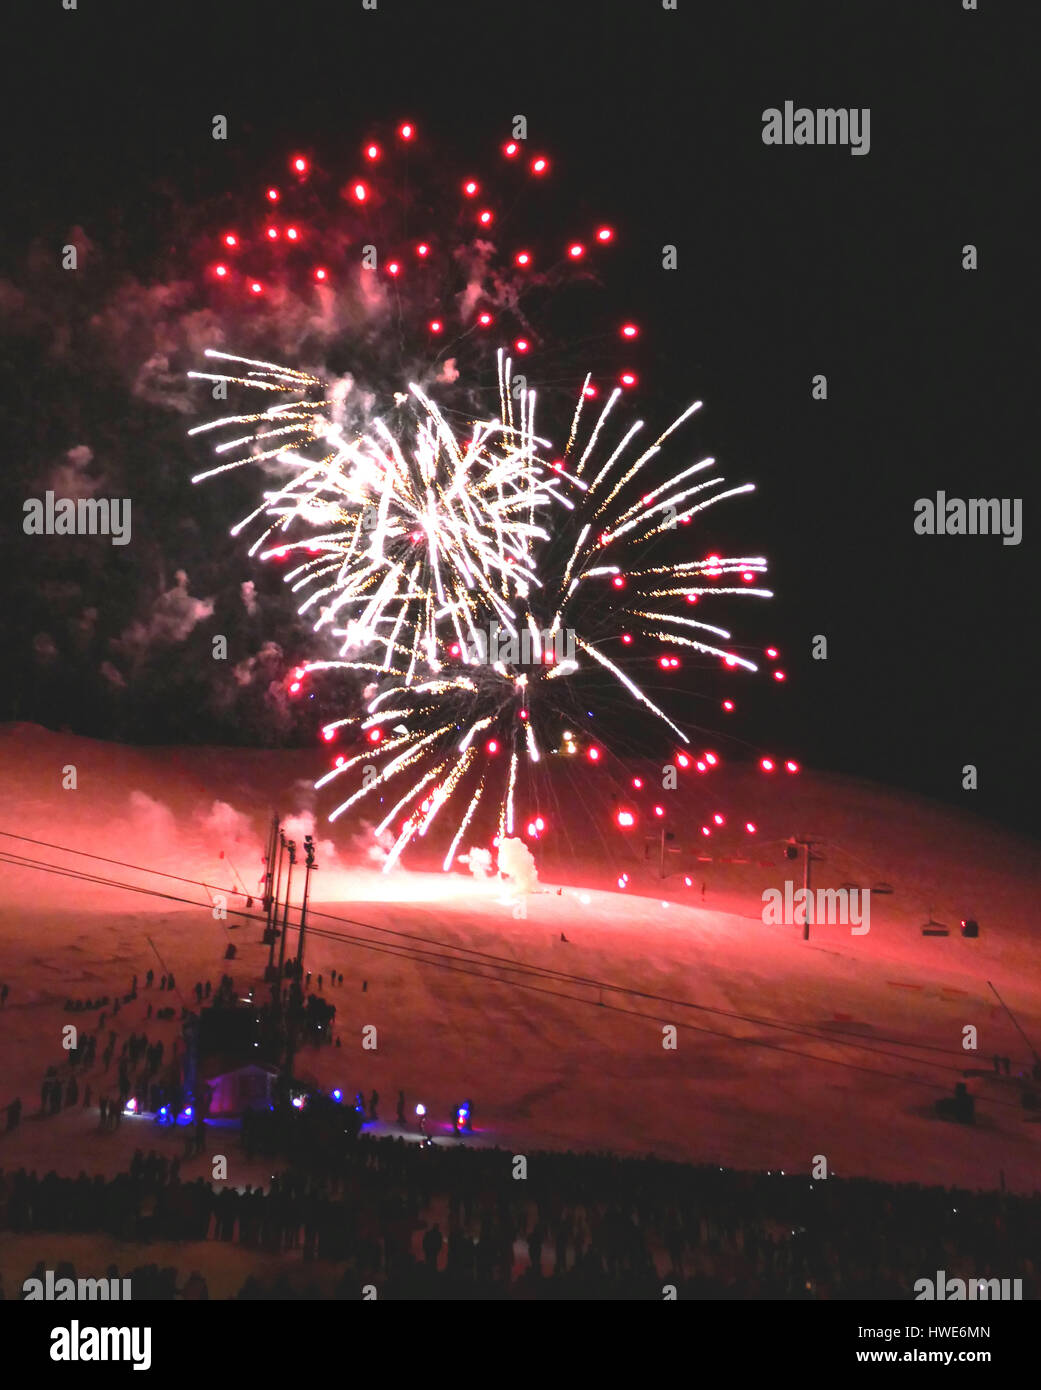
337,1094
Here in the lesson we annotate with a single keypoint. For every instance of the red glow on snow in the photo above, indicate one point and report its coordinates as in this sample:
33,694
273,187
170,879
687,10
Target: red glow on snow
791,766
638,783
320,273
540,824
436,325
628,378
531,829
491,746
523,258
375,735
728,705
372,152
594,755
767,764
511,149
484,320
230,239
576,251
750,826
689,882
540,164
618,582
360,192
779,676
406,131
272,233
220,271
627,639
422,249
625,819
300,164
522,345
485,217
272,195
257,288
629,330
623,880
471,188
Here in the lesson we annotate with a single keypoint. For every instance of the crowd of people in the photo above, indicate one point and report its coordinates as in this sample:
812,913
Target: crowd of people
452,1221
422,1220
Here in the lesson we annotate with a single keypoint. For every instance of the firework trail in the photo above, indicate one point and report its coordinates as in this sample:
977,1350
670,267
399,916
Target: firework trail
474,616
410,527
482,586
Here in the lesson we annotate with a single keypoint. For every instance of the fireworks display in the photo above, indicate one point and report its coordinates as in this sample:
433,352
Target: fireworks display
484,583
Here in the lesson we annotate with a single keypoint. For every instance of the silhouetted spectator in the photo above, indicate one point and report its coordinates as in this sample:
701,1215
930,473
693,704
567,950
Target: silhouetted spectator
432,1243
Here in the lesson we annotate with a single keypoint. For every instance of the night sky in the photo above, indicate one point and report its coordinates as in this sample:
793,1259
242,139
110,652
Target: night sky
792,262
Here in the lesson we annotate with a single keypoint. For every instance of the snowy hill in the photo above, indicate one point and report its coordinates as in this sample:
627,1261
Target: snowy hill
785,1049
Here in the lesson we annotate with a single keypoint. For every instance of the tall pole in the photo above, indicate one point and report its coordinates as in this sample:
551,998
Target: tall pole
290,848
273,908
807,849
1015,1021
269,863
309,861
